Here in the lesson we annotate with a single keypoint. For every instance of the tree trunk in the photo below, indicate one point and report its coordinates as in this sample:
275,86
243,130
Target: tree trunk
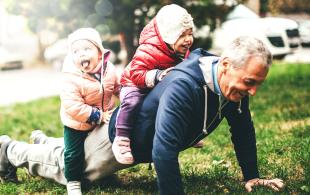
129,45
41,48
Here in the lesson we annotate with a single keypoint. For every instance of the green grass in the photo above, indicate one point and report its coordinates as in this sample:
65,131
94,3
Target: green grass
281,114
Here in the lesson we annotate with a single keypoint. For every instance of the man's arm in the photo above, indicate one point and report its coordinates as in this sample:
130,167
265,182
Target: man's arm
172,124
243,138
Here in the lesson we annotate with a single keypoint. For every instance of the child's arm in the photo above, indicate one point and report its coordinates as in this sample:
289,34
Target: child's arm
73,103
144,66
160,74
96,116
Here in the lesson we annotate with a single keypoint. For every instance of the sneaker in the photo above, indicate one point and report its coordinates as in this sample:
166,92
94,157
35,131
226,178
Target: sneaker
74,188
37,137
7,170
121,150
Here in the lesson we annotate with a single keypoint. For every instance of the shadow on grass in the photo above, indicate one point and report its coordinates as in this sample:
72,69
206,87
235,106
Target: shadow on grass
123,184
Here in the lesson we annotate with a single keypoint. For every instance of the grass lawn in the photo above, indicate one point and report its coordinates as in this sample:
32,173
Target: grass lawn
281,114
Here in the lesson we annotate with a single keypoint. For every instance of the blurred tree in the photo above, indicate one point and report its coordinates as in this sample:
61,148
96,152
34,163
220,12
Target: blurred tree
129,17
109,17
263,8
41,16
286,6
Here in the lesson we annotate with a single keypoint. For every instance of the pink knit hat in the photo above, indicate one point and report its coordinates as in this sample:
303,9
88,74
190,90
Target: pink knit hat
172,20
89,34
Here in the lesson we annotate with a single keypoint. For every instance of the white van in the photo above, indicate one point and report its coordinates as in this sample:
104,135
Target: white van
279,34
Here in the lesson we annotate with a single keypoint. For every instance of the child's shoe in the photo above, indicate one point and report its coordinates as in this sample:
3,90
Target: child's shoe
121,150
199,144
74,188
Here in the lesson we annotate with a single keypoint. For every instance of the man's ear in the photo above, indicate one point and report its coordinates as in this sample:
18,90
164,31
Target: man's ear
225,63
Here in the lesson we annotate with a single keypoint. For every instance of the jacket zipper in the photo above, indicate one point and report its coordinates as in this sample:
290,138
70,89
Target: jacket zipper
102,97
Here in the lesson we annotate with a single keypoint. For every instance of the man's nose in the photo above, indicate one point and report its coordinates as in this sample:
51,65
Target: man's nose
252,91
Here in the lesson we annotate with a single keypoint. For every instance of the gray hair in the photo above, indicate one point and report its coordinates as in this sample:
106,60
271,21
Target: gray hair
241,49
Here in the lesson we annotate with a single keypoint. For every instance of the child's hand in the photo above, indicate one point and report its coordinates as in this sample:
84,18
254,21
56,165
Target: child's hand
106,116
163,73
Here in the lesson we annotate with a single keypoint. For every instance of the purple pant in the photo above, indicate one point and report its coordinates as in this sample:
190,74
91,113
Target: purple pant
131,99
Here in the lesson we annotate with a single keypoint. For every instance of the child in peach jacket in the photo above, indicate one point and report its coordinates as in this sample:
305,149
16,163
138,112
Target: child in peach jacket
89,82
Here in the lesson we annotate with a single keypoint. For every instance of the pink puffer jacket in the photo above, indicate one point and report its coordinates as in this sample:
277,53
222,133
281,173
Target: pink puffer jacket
80,92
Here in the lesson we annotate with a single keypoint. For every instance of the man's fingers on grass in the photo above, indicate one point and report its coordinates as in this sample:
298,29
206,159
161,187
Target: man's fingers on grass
248,188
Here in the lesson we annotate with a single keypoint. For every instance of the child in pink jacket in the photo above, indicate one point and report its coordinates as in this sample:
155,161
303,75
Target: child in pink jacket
89,81
163,43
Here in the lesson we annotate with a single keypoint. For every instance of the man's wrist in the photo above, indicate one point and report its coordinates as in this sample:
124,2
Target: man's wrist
250,171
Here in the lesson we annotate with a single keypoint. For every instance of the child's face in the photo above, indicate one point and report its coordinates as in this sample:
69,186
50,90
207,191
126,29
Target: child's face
86,55
184,42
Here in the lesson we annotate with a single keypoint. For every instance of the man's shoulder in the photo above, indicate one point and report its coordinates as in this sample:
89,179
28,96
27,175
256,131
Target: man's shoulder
193,58
201,52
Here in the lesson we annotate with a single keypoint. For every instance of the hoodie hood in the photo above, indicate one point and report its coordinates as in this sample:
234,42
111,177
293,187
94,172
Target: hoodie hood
194,71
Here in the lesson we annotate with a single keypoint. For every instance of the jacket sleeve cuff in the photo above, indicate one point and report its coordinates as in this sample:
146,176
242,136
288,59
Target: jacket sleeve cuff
250,171
150,78
95,116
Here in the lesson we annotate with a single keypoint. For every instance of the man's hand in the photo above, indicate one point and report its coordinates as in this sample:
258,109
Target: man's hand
275,184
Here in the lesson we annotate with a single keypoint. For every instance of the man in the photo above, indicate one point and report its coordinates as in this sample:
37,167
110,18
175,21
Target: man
188,104
191,102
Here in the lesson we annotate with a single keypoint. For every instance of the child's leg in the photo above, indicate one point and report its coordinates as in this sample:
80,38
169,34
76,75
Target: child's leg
74,153
131,99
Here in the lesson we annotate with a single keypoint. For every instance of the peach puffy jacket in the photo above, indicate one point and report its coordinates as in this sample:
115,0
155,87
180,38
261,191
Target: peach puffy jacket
80,92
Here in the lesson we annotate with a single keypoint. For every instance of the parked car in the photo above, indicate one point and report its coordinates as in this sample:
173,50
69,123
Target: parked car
279,34
304,31
9,60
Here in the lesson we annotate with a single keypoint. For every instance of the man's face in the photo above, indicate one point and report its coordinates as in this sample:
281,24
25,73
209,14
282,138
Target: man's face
86,55
236,83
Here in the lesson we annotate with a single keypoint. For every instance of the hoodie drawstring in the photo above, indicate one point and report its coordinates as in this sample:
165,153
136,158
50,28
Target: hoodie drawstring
239,107
101,73
220,107
205,116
